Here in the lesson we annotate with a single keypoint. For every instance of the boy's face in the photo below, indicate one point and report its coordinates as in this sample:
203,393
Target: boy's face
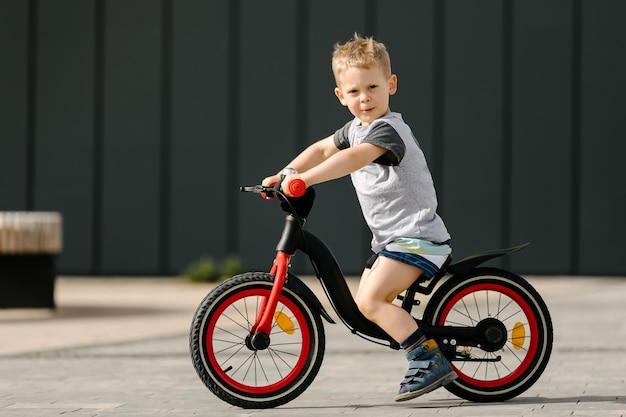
365,91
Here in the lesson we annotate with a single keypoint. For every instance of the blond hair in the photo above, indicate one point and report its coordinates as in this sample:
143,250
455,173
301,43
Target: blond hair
362,53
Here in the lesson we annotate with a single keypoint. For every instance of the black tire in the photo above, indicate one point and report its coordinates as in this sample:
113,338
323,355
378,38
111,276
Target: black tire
250,378
491,292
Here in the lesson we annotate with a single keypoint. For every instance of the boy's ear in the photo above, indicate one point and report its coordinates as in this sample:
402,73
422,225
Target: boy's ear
393,84
339,95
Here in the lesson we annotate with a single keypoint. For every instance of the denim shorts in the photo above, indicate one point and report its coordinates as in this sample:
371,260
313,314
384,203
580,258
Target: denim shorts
429,266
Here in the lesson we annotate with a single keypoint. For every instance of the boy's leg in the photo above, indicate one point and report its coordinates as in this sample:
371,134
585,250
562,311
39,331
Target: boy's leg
378,288
428,368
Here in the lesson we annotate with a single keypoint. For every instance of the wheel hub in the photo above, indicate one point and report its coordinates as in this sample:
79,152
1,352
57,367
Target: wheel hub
258,341
492,334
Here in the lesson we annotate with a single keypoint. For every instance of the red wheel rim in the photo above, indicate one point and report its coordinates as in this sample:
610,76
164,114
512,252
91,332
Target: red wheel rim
533,331
286,380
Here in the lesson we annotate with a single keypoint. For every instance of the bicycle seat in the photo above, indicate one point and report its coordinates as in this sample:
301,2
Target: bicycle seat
422,279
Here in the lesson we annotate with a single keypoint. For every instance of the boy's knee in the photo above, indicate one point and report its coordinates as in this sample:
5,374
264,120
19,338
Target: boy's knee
366,306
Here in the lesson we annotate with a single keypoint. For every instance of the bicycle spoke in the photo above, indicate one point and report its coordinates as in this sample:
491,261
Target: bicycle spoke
509,317
500,311
466,315
476,304
235,322
232,346
222,329
258,360
272,357
248,359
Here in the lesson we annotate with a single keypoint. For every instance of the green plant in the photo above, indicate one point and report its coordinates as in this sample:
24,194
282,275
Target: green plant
232,265
206,269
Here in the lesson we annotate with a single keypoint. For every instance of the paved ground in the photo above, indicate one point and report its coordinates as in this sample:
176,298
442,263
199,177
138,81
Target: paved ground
118,347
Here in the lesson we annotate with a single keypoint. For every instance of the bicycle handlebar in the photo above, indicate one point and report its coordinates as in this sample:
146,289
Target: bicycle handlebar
257,189
296,188
300,206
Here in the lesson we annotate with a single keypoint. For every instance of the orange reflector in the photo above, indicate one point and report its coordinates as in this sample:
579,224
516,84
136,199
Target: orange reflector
518,335
284,322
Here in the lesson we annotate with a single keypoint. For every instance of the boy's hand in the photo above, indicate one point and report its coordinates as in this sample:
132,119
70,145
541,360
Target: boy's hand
270,181
289,182
285,184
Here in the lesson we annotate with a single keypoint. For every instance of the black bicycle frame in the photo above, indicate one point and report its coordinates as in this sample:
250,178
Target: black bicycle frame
331,277
329,273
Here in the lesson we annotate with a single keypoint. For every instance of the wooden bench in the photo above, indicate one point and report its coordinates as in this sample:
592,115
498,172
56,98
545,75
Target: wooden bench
29,245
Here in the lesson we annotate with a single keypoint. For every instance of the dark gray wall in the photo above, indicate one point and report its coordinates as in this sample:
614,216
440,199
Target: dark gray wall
138,120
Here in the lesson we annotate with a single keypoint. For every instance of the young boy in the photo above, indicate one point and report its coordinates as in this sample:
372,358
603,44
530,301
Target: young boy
397,197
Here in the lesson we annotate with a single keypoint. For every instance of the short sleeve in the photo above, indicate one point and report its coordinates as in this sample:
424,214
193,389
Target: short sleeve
384,135
341,137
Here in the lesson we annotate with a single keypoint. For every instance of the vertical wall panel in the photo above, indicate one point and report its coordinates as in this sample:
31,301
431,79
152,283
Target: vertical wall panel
268,101
199,131
130,194
64,123
473,126
407,29
13,104
602,136
541,135
337,216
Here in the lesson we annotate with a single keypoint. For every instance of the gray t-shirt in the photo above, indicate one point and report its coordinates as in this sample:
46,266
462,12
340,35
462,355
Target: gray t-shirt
396,191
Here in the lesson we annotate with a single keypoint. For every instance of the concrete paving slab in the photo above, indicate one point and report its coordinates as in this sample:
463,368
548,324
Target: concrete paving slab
103,353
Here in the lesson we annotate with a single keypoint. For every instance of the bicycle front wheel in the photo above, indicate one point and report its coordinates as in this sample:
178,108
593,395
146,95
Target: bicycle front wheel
509,303
239,374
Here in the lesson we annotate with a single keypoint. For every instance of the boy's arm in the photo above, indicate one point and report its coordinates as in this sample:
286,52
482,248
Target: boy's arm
314,155
323,161
341,163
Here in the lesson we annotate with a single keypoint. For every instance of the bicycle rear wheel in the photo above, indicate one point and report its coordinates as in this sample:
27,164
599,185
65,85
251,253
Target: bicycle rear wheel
509,303
239,374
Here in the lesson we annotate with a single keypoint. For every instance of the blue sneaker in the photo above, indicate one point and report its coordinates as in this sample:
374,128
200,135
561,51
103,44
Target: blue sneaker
428,370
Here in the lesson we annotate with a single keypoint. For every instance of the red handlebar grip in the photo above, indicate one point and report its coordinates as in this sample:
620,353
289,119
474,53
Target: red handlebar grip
297,187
